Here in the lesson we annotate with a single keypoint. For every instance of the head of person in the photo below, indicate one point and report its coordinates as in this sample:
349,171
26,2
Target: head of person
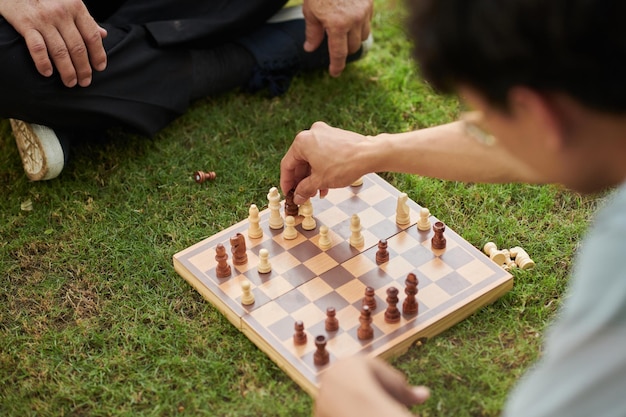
547,76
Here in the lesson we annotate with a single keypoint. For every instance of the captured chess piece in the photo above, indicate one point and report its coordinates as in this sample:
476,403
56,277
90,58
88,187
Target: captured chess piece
223,269
522,259
276,220
402,210
247,298
331,324
382,254
264,266
494,254
356,238
423,223
201,176
290,231
370,298
410,305
299,336
438,241
508,263
320,357
254,220
392,314
238,248
291,208
324,241
365,331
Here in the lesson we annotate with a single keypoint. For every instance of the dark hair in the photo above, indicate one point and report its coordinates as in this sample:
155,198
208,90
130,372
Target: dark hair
576,47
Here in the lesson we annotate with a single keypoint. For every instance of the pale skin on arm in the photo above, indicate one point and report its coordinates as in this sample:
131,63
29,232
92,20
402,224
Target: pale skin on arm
345,22
61,35
325,157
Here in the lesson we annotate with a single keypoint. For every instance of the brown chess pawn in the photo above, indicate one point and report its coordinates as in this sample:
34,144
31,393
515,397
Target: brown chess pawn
201,176
238,248
365,330
410,305
331,324
382,255
370,298
299,336
223,269
291,209
320,357
438,241
392,314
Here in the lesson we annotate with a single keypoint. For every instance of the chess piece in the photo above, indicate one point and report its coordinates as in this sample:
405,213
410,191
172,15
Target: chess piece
357,183
247,298
290,231
382,254
365,330
438,241
264,266
370,298
331,324
402,210
324,241
522,259
201,176
423,223
291,208
223,269
410,306
254,229
392,314
320,357
494,254
508,262
356,238
299,336
276,220
308,222
238,248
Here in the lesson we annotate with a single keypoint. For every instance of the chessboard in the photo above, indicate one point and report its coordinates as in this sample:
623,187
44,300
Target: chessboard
305,280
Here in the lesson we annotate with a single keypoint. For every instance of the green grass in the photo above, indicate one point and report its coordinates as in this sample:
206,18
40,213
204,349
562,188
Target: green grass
95,321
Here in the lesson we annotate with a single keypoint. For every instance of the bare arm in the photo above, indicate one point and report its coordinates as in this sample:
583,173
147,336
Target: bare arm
59,34
346,22
325,157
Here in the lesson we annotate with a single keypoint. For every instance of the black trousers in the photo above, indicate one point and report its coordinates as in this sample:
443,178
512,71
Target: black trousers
147,82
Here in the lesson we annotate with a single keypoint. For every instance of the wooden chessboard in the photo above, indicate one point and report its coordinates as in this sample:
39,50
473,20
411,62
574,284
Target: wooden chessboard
453,282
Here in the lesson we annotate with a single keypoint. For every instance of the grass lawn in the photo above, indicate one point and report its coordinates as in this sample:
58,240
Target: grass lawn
95,321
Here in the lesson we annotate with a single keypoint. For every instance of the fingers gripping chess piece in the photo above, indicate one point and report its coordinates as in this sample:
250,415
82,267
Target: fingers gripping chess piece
264,263
254,229
238,248
494,254
356,238
291,208
276,220
402,210
223,269
290,231
423,223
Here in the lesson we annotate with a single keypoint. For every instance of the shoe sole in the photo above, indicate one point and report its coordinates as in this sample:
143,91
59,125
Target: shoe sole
40,150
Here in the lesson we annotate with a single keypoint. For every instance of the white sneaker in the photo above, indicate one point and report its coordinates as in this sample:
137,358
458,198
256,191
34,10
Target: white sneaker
41,151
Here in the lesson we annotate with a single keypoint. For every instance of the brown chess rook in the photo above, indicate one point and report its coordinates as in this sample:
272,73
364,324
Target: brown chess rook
320,357
238,248
382,255
331,324
392,314
299,336
438,241
410,305
223,269
370,298
291,209
365,330
201,176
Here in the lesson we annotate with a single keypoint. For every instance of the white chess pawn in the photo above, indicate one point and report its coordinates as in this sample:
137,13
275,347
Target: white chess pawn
247,297
495,255
306,210
290,231
264,263
356,238
324,242
402,210
522,259
276,220
423,223
357,183
254,229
